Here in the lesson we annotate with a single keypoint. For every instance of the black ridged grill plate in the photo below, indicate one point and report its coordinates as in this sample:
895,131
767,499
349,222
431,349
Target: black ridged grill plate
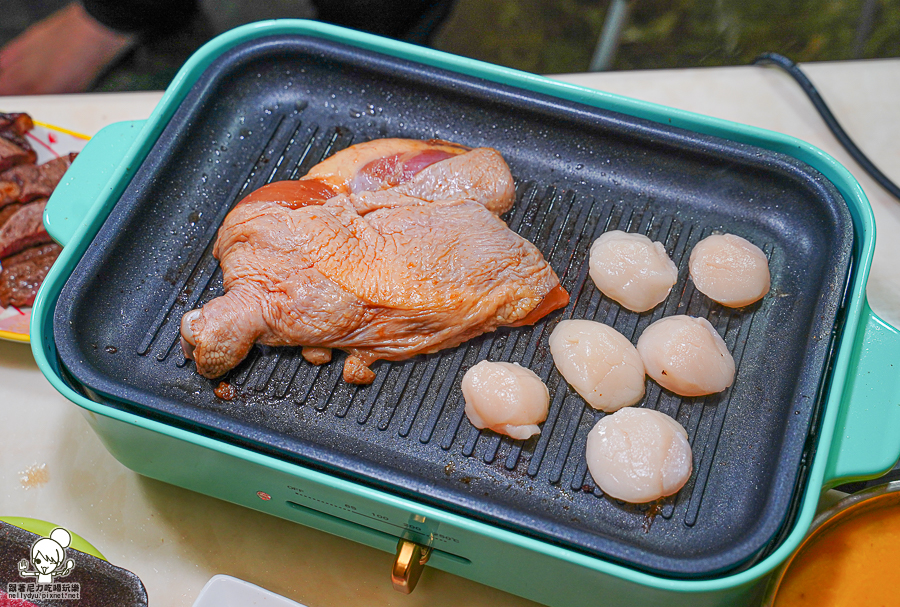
273,108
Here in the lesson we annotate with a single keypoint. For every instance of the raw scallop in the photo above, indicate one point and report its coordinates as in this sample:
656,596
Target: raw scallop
730,270
686,355
599,362
632,270
639,455
506,398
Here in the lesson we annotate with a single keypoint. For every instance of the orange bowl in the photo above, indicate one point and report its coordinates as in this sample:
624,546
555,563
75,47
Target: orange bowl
849,556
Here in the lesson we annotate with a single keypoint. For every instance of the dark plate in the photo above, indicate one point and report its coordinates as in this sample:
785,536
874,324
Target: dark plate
99,583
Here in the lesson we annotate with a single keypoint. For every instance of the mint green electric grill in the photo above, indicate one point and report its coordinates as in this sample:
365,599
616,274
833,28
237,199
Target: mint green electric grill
813,404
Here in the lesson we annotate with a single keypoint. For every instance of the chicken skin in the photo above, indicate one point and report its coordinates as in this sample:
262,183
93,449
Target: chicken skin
386,250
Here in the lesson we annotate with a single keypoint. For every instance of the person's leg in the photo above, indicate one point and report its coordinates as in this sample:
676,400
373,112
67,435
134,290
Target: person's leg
63,53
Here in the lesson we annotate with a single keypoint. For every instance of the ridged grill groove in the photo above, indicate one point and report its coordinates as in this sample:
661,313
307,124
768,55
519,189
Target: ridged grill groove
430,405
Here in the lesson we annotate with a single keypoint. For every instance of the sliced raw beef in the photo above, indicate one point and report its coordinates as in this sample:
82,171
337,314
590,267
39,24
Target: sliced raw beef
24,228
37,181
24,272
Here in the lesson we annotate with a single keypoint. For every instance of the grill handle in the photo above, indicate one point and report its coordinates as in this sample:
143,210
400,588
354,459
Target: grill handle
866,440
409,562
88,181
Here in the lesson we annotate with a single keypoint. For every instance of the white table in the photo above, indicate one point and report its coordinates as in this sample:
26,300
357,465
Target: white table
175,540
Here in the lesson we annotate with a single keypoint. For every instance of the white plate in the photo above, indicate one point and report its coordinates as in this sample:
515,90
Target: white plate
49,142
227,591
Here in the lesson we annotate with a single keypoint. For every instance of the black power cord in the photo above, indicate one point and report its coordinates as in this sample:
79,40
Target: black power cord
794,71
791,68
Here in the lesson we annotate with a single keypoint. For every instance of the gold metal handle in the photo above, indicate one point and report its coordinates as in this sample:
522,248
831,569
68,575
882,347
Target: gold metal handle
408,566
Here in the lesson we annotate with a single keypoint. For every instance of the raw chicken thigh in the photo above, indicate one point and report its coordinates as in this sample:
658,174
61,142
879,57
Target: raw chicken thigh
639,455
730,270
506,398
599,362
386,250
632,270
686,355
